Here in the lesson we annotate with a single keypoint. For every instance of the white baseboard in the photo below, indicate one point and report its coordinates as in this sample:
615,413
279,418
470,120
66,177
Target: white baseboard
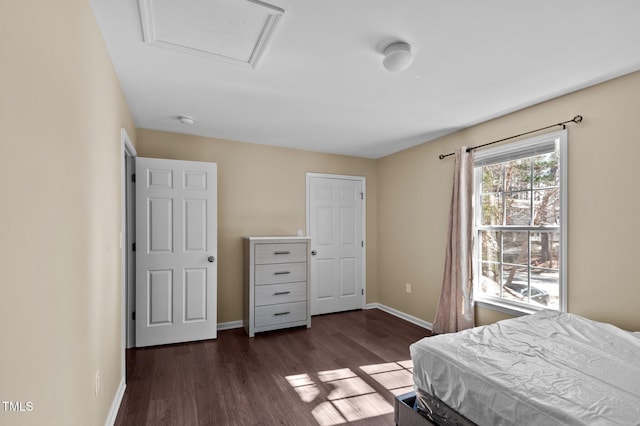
230,325
115,405
410,318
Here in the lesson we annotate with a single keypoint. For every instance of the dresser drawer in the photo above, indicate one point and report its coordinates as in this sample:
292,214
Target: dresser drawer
280,314
280,253
280,273
280,293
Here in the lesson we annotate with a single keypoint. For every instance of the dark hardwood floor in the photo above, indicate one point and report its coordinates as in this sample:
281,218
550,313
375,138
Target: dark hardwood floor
345,369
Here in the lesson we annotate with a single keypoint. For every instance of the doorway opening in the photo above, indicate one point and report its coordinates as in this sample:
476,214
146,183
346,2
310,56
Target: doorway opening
127,239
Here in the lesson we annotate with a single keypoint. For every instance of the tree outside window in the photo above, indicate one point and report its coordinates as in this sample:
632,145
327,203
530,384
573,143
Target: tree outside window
518,225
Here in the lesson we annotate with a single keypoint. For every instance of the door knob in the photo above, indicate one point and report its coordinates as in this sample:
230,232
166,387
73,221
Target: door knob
313,252
211,259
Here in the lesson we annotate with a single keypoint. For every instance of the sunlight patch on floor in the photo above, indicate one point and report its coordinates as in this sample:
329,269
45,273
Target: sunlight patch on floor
304,387
326,414
343,396
343,373
364,406
396,377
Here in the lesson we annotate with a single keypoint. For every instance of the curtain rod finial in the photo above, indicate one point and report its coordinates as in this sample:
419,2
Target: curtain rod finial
441,156
577,119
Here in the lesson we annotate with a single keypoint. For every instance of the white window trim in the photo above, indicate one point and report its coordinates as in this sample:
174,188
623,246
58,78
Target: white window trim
529,145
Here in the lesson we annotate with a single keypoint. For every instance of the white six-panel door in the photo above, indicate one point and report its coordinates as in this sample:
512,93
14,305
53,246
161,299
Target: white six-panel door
336,229
176,250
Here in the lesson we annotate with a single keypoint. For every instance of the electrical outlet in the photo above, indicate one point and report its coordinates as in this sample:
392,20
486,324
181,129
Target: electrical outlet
97,383
407,287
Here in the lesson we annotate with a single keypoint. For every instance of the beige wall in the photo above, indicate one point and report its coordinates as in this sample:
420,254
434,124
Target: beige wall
604,205
61,110
261,191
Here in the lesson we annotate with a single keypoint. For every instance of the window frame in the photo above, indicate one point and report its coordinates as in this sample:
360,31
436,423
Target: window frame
508,152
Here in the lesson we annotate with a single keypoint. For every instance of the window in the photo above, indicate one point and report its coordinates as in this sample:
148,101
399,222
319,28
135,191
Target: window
520,225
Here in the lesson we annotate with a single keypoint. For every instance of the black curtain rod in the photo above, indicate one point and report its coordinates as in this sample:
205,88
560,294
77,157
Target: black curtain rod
576,119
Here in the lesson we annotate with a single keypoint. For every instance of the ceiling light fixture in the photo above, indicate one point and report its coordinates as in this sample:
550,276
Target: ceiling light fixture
397,56
184,119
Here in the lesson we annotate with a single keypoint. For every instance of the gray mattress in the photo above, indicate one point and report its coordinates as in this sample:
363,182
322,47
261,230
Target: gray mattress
548,368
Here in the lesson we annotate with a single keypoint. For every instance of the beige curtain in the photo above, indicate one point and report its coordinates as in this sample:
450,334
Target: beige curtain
455,308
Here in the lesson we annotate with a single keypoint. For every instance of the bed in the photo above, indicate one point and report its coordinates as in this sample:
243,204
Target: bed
548,368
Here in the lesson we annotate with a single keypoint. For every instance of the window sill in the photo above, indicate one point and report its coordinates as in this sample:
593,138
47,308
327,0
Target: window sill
506,308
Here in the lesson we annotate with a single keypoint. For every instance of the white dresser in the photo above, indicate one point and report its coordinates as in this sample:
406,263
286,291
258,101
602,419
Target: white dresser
276,283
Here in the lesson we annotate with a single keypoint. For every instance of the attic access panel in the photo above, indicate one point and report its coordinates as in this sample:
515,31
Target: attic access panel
230,31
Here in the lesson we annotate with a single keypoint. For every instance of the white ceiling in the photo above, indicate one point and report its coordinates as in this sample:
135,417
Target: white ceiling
320,84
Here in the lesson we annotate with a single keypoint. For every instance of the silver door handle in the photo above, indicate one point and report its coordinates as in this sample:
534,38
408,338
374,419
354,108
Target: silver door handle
313,252
211,259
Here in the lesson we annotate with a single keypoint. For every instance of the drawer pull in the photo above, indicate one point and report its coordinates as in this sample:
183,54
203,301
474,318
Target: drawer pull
282,273
282,252
281,313
280,293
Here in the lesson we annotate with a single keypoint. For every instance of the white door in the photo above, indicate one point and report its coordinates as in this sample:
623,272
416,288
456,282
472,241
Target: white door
176,250
335,210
